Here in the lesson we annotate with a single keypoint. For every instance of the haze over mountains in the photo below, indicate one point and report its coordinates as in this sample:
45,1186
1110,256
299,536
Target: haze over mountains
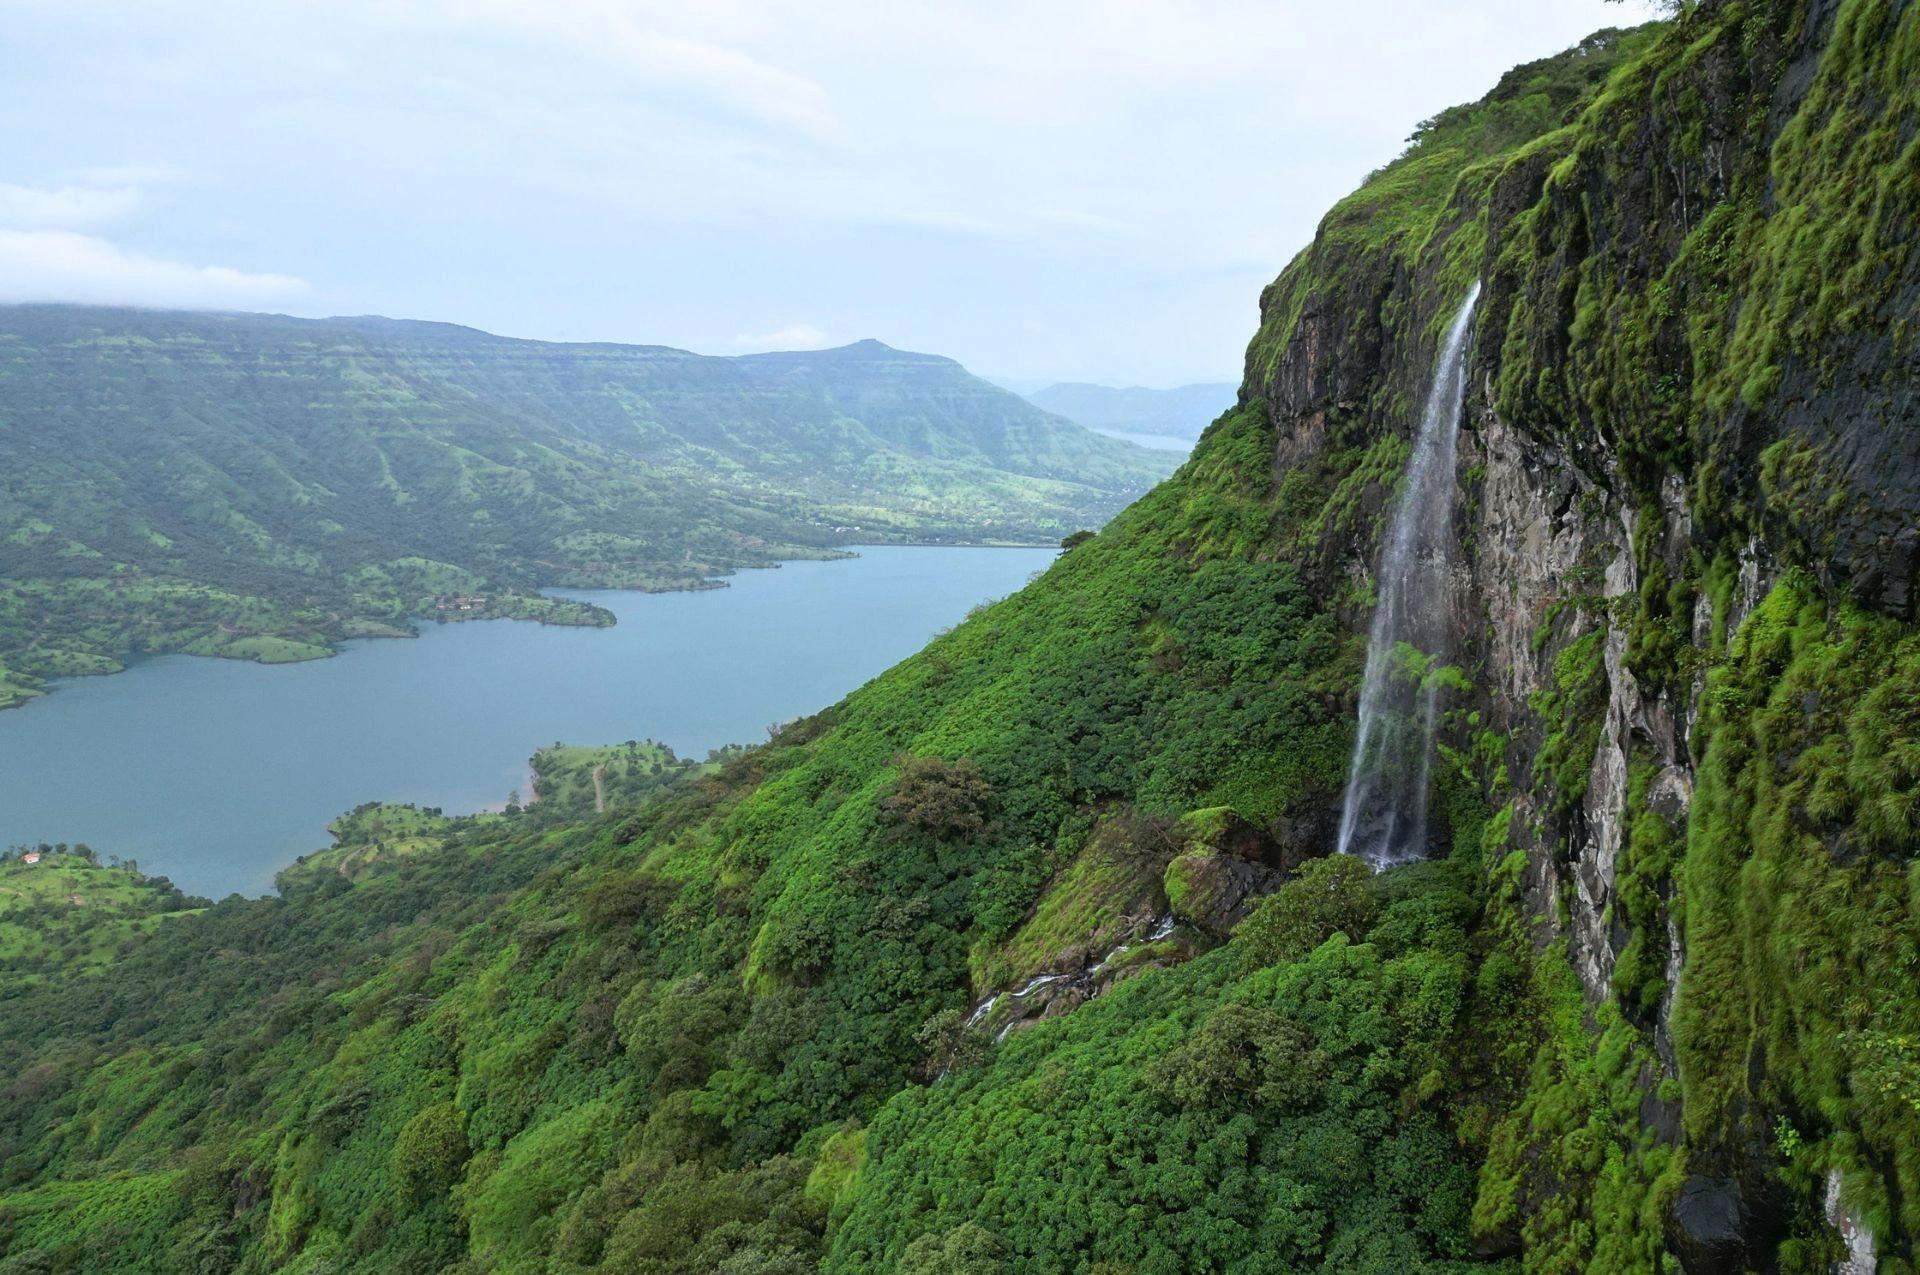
262,486
1181,412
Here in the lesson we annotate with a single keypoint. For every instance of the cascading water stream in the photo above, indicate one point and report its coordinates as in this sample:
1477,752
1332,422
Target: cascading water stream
1384,819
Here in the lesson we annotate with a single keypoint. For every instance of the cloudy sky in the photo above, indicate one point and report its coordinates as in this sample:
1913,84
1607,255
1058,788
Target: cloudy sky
1046,189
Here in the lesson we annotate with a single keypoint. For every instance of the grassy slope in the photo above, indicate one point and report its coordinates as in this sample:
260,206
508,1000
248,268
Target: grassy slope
627,774
66,914
261,487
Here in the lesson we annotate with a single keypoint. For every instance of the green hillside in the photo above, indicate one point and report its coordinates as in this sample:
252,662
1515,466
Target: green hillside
574,780
263,487
1647,1007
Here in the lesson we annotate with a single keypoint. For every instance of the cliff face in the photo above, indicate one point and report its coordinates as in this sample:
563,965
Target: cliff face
1690,461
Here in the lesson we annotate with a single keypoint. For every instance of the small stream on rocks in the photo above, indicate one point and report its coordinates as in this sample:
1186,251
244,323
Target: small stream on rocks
1069,988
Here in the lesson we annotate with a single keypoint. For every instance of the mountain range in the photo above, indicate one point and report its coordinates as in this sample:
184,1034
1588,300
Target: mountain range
262,487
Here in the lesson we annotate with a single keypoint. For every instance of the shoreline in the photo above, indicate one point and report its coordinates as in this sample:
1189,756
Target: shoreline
141,835
837,553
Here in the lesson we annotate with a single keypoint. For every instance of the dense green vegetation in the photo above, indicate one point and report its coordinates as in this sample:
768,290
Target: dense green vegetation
760,948
262,488
728,1027
575,779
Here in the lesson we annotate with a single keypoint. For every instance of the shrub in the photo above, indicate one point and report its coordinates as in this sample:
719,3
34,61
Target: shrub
1330,896
429,1153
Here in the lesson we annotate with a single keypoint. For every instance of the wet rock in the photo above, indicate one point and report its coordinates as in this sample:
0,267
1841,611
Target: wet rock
1659,1115
1222,830
1302,836
1149,943
1211,892
1730,1224
1861,1258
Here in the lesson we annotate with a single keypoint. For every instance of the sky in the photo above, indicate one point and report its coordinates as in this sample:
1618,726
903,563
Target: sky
1043,189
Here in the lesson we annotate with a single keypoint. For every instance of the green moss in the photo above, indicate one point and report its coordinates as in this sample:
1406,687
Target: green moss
1179,881
1573,708
832,1181
1643,882
1798,914
1572,1174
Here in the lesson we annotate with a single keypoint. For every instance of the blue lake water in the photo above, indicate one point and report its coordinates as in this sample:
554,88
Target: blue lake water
218,773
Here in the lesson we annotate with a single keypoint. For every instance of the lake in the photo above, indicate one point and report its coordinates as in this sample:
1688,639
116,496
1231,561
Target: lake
218,773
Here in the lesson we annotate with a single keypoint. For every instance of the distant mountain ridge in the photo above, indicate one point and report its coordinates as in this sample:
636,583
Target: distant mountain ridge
1181,412
264,486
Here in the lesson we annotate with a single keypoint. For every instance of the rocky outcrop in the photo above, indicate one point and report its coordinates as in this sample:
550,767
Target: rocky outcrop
1227,861
1150,943
1693,379
1211,892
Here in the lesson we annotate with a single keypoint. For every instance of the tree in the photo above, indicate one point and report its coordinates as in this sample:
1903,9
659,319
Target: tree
968,1249
943,799
428,1154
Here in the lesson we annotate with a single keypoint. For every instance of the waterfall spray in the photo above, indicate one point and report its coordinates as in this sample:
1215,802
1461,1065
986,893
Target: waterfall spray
1384,818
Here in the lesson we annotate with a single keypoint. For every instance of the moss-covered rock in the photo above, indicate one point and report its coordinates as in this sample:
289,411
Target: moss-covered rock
1210,891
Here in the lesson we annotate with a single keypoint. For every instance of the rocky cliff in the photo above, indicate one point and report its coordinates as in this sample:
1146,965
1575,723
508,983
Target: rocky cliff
1686,567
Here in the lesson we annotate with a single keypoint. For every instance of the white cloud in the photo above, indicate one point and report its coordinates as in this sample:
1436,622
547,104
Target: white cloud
61,265
68,206
1129,172
797,336
639,45
45,257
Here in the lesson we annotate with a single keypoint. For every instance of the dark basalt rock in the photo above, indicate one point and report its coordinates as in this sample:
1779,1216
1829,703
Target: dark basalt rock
1730,1225
1304,835
1212,892
1705,1227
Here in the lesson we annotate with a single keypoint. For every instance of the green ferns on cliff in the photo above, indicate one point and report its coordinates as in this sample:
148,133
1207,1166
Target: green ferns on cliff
1802,893
1704,298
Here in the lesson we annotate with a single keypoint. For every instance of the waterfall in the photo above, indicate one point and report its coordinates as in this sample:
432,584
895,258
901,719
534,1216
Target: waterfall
1384,818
